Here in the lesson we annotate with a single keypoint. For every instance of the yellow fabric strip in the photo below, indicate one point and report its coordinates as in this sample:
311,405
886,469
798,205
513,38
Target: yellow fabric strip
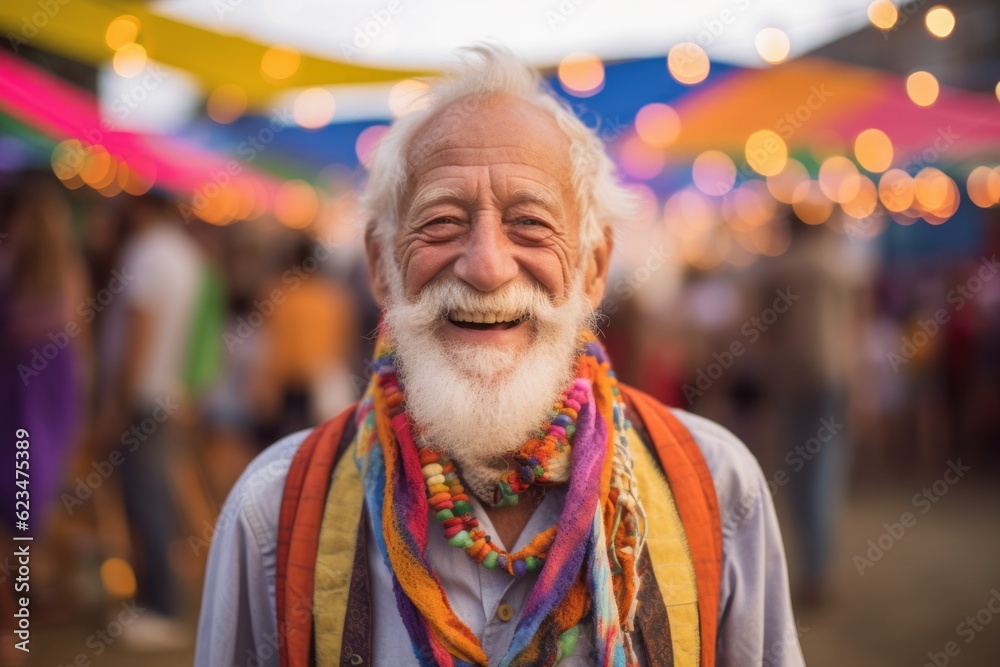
668,553
335,559
77,30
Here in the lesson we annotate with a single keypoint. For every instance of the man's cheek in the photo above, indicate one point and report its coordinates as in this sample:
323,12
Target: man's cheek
550,269
422,265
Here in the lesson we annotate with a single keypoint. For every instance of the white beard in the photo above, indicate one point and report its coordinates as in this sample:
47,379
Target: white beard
480,403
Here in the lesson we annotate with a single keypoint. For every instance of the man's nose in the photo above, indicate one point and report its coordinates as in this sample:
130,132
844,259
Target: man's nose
487,261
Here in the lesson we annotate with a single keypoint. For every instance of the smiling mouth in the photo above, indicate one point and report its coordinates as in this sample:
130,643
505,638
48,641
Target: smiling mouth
484,321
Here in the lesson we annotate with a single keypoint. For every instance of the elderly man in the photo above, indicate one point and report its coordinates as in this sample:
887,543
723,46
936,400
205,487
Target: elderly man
497,497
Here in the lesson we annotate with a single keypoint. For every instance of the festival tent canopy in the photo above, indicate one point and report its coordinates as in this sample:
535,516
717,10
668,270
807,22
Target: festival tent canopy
816,106
78,29
813,102
64,113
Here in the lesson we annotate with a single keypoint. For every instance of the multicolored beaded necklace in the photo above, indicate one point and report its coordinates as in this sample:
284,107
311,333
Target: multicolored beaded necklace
544,460
586,564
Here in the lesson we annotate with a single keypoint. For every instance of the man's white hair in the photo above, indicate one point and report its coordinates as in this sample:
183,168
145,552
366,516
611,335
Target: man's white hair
484,71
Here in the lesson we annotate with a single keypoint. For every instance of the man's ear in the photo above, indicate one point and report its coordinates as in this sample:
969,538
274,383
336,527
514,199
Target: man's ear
376,272
598,262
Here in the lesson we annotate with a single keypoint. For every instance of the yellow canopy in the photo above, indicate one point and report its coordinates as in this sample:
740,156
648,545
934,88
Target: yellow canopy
76,29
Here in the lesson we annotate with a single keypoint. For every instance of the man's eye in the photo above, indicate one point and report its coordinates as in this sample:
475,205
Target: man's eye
531,222
443,220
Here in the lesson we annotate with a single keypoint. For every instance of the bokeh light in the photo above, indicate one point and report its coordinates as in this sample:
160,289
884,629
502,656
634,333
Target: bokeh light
657,124
314,108
873,149
118,578
930,188
110,188
296,204
68,158
581,74
98,167
883,14
693,220
863,203
366,141
753,204
948,202
782,185
121,31
689,214
983,186
226,103
640,160
940,21
839,179
249,202
895,190
714,173
688,63
218,206
922,87
812,206
136,176
772,45
280,62
766,152
129,60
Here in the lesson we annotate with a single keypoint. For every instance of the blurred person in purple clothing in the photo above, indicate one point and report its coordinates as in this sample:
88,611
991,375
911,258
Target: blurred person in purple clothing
43,335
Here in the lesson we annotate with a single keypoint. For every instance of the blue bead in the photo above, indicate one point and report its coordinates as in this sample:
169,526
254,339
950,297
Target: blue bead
520,568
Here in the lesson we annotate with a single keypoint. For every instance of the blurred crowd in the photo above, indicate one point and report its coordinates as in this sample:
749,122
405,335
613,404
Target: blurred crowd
151,357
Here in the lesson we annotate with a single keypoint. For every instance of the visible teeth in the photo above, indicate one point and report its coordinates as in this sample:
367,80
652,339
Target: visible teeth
482,318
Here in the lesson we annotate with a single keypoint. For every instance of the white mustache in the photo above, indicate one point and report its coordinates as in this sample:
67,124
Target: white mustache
520,300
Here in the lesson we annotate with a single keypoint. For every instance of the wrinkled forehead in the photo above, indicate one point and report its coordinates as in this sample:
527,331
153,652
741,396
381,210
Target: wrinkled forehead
500,129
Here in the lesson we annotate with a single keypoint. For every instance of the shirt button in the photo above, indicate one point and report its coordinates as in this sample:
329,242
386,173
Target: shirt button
505,612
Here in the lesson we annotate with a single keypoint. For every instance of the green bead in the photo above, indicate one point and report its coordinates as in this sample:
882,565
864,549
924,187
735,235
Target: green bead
567,642
490,562
461,540
461,507
444,515
531,563
570,430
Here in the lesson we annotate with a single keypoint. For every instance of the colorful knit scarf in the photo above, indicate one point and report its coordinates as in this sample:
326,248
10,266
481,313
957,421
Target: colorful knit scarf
588,568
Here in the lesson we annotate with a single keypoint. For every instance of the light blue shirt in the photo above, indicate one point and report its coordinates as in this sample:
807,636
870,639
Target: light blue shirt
238,624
